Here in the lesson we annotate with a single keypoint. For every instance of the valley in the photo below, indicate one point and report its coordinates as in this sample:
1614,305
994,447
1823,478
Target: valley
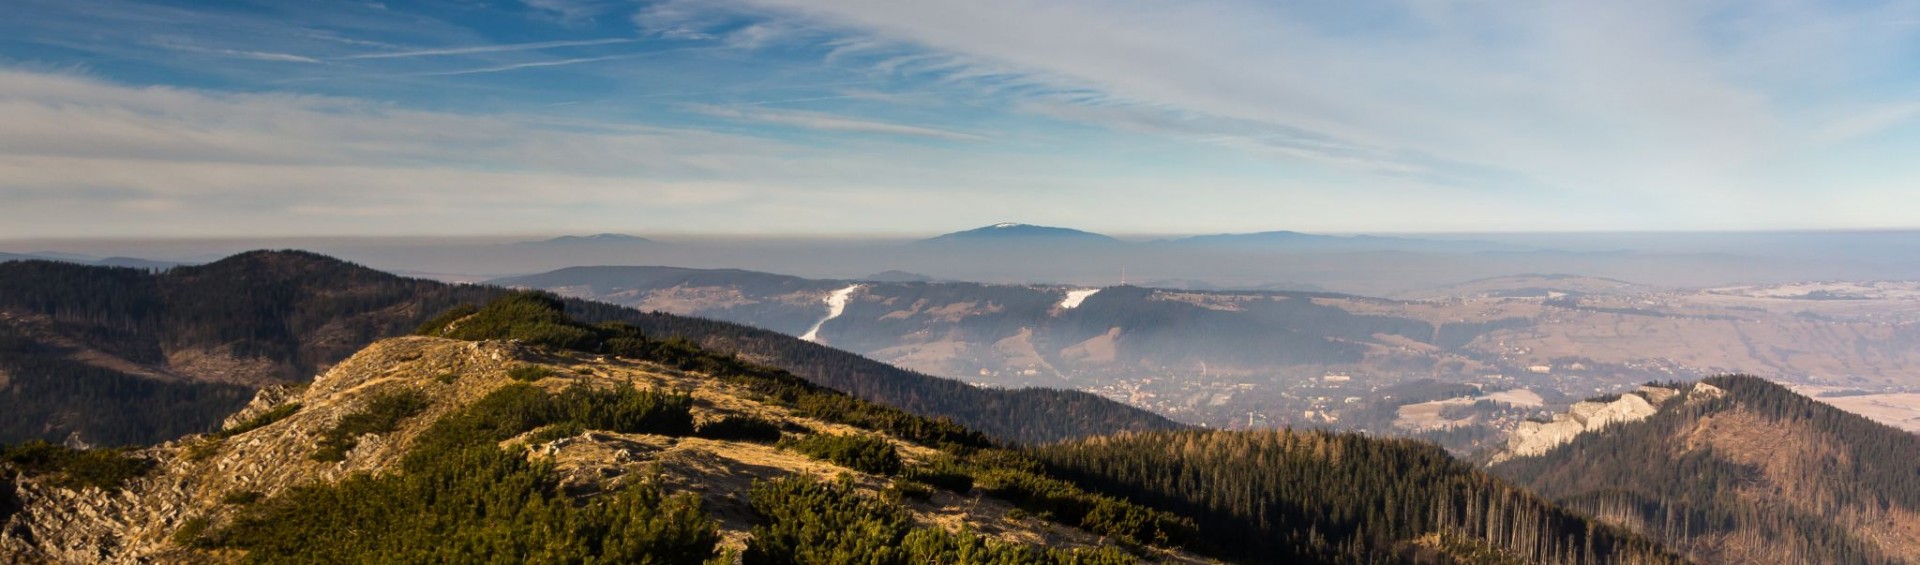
1897,409
1237,359
1071,376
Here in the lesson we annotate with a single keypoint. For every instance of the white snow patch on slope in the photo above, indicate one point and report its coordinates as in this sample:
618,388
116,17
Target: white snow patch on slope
1075,297
836,304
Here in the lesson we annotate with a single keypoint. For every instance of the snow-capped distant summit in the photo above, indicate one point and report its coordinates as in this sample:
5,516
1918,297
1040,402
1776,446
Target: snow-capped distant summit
1006,231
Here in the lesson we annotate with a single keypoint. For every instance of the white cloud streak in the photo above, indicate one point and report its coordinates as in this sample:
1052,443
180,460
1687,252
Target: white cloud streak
828,122
1672,103
84,157
478,49
529,65
1416,114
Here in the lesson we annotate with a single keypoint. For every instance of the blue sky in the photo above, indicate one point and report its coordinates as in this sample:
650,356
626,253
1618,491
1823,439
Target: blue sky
850,117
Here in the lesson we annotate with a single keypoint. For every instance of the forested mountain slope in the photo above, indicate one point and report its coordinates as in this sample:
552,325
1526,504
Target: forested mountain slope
115,355
1296,497
1741,470
565,444
511,432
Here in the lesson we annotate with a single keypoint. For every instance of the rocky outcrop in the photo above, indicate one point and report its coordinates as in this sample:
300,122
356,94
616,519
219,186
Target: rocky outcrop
192,475
1703,392
193,479
1533,438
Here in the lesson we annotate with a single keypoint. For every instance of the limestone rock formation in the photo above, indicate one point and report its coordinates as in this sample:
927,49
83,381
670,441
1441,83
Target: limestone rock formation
1533,438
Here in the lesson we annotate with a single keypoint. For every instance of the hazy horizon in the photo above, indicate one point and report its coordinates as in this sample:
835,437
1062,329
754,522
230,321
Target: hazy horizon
1372,268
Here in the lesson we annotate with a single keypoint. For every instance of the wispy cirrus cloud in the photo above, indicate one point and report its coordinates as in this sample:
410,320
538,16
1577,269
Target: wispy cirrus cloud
527,65
828,122
479,49
239,53
575,10
82,156
1500,114
1677,103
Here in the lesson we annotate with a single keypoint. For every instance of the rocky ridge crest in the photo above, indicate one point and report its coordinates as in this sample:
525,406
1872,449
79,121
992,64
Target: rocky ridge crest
199,478
1533,438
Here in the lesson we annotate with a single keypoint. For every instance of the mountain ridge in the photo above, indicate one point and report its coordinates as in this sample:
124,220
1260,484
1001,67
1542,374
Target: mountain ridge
1010,232
280,316
595,239
1737,469
513,431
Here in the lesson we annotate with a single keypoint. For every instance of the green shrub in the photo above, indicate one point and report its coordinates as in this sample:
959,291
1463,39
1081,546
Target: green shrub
193,533
437,326
625,409
9,503
241,497
944,474
459,498
519,408
904,488
207,447
381,415
106,469
740,427
529,373
203,449
506,412
446,378
855,451
621,409
1066,503
552,432
933,545
536,318
260,420
809,521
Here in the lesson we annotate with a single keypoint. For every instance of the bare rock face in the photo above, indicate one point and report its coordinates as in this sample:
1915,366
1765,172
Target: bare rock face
1660,395
190,476
266,399
1535,438
1703,392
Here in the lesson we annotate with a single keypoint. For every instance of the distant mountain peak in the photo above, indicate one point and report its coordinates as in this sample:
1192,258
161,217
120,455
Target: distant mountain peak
600,238
1031,232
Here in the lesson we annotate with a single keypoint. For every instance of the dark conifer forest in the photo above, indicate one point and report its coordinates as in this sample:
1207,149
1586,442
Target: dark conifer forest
1755,472
117,356
1317,497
